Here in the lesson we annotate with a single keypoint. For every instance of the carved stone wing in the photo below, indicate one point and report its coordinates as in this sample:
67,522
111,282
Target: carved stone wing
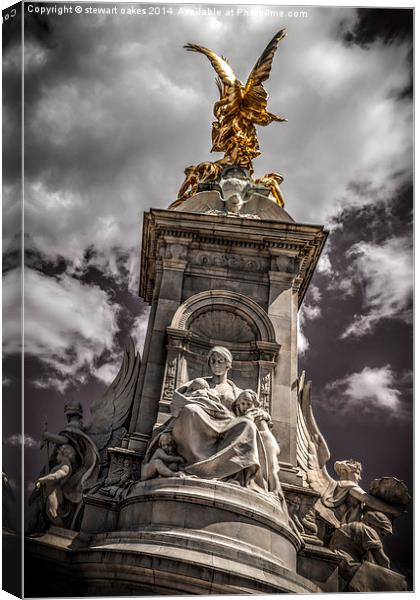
312,449
111,412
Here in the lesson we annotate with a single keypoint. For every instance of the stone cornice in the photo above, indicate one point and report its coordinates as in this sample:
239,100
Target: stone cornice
301,242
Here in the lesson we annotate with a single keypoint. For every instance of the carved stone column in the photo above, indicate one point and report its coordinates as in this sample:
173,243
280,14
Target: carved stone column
282,310
170,268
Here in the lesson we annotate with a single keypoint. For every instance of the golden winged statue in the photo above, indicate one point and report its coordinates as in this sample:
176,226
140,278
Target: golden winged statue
237,112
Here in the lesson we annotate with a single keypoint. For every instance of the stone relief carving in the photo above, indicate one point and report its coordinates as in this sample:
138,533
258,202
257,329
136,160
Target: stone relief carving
170,378
302,514
222,325
238,262
118,483
286,264
176,251
265,391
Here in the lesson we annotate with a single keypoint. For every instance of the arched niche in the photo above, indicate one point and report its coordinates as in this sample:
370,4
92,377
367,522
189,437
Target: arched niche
220,318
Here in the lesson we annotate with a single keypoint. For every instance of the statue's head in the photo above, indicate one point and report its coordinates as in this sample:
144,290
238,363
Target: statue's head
219,360
167,442
198,384
348,469
66,451
379,521
246,400
73,410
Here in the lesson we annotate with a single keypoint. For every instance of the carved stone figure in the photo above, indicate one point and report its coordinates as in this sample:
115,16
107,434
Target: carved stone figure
77,456
248,405
345,497
164,462
111,412
354,520
73,466
294,513
359,543
309,522
53,483
220,431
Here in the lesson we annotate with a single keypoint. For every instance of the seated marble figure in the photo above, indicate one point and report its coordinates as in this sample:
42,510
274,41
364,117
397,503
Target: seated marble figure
216,437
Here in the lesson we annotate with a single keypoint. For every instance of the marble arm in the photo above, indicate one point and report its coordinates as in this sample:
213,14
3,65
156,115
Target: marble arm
56,476
176,459
162,455
374,502
258,414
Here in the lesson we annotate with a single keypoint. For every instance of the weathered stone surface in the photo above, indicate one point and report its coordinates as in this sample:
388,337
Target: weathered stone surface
205,531
319,565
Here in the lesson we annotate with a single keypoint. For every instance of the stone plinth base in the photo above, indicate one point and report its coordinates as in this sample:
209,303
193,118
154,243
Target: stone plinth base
177,536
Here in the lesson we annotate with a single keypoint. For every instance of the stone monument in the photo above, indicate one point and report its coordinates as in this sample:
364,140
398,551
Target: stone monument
207,470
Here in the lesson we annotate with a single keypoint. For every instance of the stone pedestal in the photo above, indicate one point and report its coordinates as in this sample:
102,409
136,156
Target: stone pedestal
174,536
211,280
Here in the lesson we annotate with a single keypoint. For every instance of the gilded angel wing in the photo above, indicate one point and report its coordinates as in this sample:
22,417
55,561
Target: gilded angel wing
220,64
262,68
229,86
312,449
111,412
255,95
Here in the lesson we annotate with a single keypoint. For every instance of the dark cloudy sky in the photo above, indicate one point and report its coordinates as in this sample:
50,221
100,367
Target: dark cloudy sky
115,109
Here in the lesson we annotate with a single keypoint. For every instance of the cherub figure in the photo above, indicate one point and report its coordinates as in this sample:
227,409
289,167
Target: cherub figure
247,405
52,484
164,462
199,388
